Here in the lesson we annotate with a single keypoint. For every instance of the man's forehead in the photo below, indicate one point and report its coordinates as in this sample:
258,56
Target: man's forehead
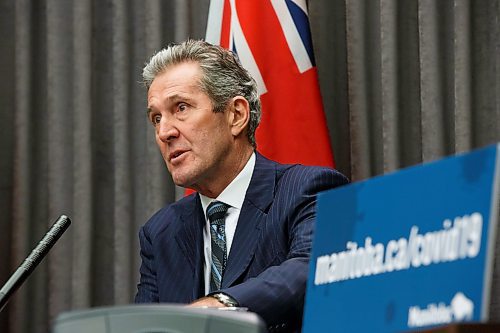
165,92
183,69
178,76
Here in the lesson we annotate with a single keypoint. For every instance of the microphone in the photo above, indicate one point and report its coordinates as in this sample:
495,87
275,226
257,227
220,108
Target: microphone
35,257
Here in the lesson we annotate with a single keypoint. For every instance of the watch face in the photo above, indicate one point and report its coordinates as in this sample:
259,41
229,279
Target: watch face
225,299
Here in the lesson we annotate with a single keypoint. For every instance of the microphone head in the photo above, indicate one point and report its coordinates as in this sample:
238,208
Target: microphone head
35,257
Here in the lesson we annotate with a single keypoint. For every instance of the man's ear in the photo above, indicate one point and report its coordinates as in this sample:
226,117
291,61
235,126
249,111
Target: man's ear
239,115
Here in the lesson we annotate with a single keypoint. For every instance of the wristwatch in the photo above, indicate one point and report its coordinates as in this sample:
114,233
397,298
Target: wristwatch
225,299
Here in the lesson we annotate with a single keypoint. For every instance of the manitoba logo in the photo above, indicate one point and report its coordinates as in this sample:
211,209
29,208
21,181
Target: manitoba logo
460,309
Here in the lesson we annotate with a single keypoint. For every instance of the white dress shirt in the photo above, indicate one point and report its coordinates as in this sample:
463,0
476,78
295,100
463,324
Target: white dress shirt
233,195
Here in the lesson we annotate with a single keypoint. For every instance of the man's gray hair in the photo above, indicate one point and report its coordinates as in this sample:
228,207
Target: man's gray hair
223,75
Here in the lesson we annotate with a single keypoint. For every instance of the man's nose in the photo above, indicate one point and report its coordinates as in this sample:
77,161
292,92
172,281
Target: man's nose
167,130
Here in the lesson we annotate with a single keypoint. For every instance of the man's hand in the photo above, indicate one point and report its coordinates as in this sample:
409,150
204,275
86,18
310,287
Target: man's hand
207,302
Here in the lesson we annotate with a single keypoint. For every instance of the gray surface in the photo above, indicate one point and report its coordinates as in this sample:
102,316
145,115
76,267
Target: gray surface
157,319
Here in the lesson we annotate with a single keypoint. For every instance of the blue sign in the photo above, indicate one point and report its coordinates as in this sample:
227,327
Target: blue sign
408,250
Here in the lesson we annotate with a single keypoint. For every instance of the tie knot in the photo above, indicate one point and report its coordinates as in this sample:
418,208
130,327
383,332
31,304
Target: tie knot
216,212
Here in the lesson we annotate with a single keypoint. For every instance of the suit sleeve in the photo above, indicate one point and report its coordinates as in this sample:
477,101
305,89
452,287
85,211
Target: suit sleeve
277,294
147,289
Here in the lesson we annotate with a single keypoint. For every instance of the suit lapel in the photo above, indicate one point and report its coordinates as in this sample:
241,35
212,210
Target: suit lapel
189,237
258,198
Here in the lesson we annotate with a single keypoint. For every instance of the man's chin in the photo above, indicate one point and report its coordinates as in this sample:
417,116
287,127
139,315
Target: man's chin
182,184
183,181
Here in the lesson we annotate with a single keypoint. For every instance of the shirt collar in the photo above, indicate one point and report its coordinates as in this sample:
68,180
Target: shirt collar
234,193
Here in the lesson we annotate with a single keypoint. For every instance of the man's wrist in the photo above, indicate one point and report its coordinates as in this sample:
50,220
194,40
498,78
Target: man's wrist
224,299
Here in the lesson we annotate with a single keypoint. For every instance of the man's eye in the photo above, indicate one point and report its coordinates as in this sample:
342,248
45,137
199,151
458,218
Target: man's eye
156,119
181,107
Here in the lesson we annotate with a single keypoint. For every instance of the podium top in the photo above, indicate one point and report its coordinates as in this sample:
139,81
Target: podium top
158,319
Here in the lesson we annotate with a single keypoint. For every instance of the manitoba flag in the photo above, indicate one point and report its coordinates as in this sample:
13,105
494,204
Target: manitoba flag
273,42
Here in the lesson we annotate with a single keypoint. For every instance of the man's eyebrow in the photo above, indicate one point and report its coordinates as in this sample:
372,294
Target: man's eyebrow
178,97
172,99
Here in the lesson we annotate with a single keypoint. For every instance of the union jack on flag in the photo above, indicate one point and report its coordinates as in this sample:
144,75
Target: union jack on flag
273,42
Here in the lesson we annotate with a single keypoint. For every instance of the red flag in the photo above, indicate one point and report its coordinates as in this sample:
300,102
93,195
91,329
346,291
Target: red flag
273,41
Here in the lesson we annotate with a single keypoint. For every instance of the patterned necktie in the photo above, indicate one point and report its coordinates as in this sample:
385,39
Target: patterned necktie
216,213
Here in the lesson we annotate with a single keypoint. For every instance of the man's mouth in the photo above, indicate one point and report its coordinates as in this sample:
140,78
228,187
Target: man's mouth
176,154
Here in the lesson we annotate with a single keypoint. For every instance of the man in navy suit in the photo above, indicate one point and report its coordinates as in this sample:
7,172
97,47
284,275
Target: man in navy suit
205,109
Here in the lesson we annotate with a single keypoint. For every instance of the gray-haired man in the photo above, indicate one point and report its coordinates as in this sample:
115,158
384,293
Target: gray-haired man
245,238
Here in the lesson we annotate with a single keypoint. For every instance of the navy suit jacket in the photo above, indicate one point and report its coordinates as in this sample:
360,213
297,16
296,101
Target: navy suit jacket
267,266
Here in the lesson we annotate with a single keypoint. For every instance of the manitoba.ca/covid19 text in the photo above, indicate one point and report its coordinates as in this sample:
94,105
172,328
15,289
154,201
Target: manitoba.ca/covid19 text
460,239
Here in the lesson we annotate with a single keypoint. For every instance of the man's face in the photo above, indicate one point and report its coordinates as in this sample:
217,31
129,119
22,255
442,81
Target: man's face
193,140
